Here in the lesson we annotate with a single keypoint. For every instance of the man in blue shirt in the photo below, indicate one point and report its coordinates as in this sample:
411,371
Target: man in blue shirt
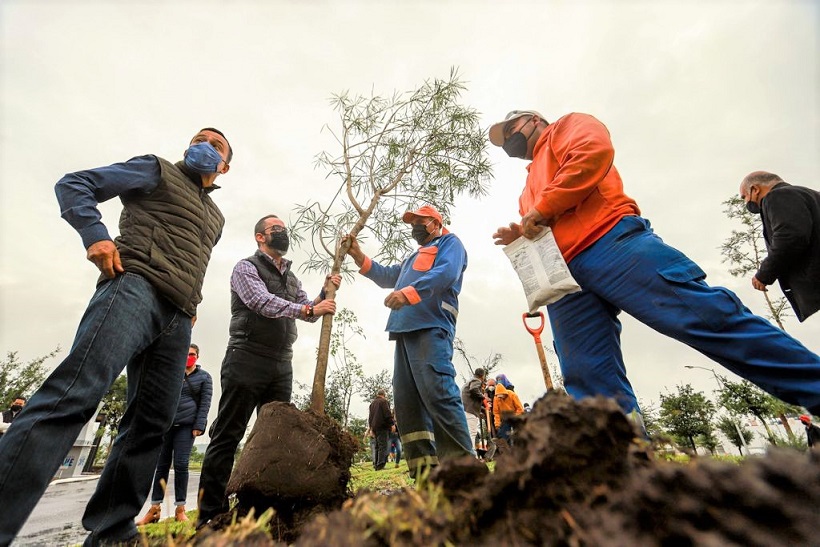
424,307
139,318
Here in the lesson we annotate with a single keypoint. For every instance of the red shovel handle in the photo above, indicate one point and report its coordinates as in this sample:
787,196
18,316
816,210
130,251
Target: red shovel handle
536,332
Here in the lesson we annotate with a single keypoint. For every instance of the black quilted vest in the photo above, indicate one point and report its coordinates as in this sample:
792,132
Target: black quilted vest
258,334
167,236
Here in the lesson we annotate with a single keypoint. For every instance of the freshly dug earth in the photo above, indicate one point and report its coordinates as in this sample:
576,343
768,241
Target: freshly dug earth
296,462
577,475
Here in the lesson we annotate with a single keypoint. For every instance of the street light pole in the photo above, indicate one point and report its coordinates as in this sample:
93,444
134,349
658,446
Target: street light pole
721,386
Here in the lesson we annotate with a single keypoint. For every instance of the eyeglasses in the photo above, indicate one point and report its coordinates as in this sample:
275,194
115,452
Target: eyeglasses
275,230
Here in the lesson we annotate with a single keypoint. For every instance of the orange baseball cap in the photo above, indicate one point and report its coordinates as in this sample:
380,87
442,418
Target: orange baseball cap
423,211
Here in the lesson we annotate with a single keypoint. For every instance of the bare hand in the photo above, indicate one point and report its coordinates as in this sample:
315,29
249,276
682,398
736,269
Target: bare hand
759,285
505,236
196,432
324,307
354,250
531,223
106,257
396,300
336,279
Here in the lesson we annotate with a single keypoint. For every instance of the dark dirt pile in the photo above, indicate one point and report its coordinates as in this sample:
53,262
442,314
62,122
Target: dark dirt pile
296,462
578,476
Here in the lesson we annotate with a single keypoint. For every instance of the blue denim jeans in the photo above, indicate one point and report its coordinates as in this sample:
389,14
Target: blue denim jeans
248,382
176,448
395,446
632,269
429,411
127,324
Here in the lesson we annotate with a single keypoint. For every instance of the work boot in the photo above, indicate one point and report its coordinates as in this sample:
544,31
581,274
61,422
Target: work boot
151,516
180,514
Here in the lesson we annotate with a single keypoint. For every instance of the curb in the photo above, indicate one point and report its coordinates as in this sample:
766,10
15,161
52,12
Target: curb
75,479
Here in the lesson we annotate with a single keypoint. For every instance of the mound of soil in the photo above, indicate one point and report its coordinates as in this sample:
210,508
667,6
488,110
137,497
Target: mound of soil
296,462
577,474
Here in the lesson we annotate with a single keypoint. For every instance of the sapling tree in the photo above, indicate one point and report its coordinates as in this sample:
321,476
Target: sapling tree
394,154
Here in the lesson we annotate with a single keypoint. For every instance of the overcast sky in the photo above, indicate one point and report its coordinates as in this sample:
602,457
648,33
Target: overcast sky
695,95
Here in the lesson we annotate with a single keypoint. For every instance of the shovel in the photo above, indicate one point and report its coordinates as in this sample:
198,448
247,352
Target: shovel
536,334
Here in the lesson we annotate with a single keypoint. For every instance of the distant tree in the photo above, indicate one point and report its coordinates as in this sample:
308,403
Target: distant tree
687,414
347,373
708,441
490,363
197,457
744,398
370,385
113,407
730,426
394,153
21,379
301,395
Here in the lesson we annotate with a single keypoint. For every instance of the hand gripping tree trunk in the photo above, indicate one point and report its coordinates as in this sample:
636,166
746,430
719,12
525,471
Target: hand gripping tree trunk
396,153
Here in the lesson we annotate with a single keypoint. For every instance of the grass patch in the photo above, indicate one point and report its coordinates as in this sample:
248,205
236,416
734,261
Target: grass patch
363,477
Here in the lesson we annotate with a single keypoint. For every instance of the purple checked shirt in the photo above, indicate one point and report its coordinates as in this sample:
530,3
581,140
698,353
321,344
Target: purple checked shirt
245,281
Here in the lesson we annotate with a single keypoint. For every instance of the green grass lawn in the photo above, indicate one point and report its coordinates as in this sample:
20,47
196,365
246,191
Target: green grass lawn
363,477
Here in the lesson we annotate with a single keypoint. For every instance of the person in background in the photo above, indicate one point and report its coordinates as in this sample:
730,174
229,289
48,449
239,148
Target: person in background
472,397
812,432
791,230
189,423
9,415
506,405
395,442
380,421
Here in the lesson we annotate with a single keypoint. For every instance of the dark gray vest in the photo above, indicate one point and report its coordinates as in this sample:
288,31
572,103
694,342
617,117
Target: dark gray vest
167,236
263,335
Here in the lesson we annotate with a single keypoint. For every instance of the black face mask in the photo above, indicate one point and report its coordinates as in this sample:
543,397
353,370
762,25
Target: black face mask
16,408
279,241
753,207
516,145
420,233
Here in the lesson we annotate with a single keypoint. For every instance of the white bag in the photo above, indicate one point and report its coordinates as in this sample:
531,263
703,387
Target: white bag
541,269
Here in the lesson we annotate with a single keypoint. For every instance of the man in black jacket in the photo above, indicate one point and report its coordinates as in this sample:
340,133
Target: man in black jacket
791,229
380,420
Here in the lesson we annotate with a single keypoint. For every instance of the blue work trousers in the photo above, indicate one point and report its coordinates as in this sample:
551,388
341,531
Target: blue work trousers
632,269
429,410
127,324
176,449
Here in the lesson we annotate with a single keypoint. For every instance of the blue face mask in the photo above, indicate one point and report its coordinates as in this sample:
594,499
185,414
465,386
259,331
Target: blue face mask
203,158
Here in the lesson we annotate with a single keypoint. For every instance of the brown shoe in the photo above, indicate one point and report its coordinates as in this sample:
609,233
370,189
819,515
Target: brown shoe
180,515
151,516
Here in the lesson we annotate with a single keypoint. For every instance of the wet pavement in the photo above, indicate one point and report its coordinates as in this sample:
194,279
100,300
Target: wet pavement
56,521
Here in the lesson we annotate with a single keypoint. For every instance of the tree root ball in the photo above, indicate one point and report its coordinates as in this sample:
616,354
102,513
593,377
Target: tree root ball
295,462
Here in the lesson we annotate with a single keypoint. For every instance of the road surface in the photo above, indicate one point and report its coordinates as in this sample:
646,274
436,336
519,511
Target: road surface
56,521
